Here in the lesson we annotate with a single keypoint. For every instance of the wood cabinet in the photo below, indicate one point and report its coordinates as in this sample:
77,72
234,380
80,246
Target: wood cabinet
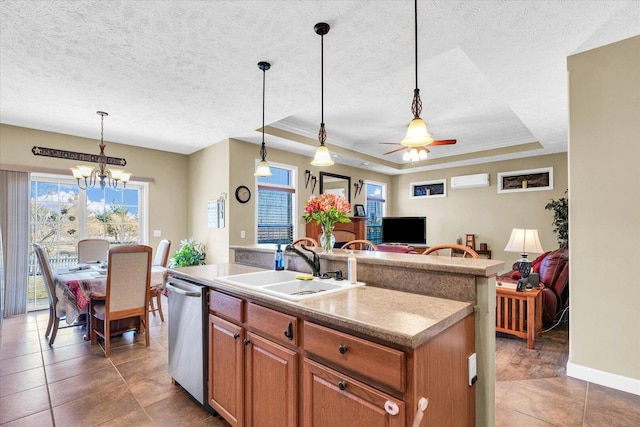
253,380
351,402
268,368
343,231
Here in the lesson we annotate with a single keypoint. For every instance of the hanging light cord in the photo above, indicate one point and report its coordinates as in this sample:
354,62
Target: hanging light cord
416,105
263,148
322,135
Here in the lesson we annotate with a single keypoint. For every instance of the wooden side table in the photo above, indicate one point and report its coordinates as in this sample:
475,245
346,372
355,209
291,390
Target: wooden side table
519,313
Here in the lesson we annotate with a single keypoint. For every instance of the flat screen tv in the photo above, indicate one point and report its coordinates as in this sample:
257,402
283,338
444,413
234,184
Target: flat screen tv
405,229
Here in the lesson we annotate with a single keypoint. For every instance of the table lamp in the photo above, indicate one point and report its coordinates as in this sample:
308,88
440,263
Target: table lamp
524,240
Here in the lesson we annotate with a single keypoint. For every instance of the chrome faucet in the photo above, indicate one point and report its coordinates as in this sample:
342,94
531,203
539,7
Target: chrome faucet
313,262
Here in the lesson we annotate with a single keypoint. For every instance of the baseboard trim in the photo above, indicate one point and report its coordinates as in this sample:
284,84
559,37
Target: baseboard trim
607,379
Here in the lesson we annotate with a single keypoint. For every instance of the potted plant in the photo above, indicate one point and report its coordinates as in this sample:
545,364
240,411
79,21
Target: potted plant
190,253
560,210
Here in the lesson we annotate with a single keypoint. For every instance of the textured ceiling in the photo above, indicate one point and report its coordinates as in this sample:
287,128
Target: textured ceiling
182,75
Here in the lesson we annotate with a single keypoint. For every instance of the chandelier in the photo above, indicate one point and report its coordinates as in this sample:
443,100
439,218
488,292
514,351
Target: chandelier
88,176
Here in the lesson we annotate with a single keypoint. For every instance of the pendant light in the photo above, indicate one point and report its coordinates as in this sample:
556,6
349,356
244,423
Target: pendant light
417,134
322,157
88,176
263,166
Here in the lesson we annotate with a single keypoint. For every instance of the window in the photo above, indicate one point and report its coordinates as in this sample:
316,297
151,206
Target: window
376,193
276,205
62,214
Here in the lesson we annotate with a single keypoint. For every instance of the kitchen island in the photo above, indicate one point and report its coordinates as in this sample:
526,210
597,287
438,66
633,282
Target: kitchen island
403,344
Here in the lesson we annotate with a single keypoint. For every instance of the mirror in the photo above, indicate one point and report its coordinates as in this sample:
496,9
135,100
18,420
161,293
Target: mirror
340,185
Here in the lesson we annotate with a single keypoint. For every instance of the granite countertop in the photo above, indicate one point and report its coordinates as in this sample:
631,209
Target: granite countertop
404,319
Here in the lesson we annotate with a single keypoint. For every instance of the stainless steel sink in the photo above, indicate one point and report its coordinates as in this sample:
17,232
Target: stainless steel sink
283,284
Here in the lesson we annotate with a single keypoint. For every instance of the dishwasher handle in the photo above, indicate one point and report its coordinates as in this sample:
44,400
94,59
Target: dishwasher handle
183,292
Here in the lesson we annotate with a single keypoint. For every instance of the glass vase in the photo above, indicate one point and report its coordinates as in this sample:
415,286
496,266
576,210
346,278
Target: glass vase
327,239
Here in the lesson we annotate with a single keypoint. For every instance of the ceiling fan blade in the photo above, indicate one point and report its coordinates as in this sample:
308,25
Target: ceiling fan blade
444,142
395,151
390,143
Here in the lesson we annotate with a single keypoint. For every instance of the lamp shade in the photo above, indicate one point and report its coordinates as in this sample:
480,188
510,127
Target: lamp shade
263,169
417,134
322,158
524,240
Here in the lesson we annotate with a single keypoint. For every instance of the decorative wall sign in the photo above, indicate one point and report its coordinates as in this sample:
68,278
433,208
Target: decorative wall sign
72,155
423,189
525,180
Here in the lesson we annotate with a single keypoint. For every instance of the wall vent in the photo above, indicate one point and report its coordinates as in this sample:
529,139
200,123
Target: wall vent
470,181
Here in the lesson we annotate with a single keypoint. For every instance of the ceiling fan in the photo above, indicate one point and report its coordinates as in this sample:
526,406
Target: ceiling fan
417,153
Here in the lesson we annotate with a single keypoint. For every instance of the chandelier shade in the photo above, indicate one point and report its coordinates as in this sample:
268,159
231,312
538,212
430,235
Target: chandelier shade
89,176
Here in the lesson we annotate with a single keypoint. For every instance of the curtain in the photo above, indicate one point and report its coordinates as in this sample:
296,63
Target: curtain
14,221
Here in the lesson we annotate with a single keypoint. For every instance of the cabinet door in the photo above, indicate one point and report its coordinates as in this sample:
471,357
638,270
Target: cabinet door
333,399
271,384
226,361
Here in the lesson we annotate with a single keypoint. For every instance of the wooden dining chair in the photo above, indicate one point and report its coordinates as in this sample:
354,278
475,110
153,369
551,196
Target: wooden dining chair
126,296
307,241
361,245
92,250
155,292
467,252
49,284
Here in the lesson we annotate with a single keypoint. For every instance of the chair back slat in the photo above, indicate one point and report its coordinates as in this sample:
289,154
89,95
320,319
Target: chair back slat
90,250
128,277
47,274
162,253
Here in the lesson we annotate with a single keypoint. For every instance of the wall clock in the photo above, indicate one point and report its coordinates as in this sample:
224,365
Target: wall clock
243,194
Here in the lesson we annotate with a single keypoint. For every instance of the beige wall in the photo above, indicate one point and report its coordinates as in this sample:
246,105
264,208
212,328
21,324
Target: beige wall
604,165
483,211
167,199
208,178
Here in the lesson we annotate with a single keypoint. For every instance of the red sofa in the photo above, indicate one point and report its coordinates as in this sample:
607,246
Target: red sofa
553,268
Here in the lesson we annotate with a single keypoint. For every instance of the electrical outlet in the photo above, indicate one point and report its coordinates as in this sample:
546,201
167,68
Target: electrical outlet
243,234
473,369
157,233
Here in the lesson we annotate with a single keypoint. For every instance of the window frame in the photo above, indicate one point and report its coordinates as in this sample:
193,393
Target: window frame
293,189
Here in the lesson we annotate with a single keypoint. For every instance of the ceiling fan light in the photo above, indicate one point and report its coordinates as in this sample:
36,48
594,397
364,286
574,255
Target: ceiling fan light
417,134
422,153
263,169
406,156
322,157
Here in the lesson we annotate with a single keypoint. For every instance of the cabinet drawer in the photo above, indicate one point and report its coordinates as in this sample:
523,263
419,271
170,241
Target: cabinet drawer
278,326
358,356
225,305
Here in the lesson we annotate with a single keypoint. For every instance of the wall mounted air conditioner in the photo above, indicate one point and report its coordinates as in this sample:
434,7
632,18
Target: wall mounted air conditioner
470,181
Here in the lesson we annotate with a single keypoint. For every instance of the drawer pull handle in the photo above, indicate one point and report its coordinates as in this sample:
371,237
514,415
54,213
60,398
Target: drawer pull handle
236,336
342,385
246,341
289,331
342,348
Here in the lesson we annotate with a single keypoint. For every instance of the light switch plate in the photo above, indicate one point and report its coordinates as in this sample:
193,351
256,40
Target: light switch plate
243,234
157,233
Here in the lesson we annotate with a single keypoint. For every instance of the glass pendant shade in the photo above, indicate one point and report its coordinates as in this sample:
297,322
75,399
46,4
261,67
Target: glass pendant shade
417,134
322,157
263,169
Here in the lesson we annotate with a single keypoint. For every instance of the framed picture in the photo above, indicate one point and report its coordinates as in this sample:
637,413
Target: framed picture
359,210
471,241
424,189
525,180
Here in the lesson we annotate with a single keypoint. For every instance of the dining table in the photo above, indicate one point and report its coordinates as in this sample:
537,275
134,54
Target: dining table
76,283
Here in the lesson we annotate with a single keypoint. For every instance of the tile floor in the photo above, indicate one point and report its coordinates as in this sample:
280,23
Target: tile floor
73,384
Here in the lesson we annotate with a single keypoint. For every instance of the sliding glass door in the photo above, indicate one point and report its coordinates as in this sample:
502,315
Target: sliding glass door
62,214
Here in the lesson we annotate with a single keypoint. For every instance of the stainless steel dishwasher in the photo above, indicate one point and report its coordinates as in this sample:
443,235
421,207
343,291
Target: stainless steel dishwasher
187,337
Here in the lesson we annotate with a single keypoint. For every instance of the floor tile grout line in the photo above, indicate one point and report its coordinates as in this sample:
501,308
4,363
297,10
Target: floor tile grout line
46,379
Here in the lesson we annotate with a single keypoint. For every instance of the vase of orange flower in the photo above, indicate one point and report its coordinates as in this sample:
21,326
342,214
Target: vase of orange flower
327,210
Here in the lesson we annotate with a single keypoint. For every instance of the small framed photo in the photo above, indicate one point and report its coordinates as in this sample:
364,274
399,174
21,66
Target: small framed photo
359,210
